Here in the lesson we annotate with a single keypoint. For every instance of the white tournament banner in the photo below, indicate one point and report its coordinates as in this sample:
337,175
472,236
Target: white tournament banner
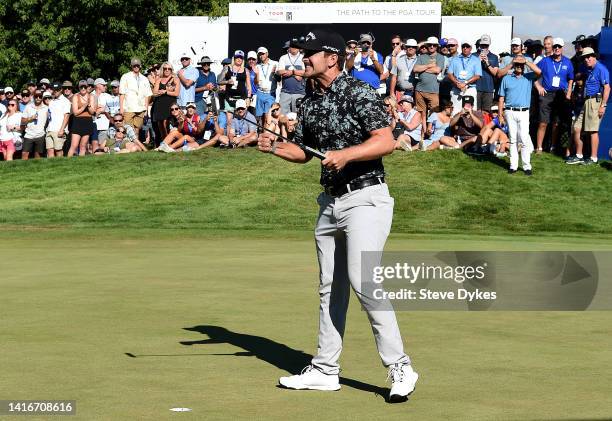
397,12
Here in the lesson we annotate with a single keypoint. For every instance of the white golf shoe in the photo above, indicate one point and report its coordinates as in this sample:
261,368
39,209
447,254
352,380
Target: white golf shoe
403,380
311,379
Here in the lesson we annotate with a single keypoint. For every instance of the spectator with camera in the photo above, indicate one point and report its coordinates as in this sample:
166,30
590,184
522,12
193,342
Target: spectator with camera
485,85
206,85
367,64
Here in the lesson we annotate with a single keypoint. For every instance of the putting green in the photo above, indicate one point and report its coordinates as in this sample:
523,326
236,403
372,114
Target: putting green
213,322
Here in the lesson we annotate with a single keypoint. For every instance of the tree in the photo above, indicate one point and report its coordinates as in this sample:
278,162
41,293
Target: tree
72,39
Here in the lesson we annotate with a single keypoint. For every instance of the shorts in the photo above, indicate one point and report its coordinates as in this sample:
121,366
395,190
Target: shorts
102,136
589,120
36,144
553,107
136,120
485,100
426,101
263,104
7,146
54,142
82,126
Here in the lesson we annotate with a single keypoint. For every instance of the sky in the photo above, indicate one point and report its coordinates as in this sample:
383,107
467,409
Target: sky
562,18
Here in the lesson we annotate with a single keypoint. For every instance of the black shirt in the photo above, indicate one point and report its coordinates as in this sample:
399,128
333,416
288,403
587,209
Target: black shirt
342,116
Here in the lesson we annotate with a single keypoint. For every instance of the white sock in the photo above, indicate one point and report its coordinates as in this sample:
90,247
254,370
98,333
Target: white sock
594,159
579,155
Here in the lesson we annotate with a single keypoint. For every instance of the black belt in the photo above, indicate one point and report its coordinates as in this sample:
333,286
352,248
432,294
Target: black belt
516,109
591,96
337,191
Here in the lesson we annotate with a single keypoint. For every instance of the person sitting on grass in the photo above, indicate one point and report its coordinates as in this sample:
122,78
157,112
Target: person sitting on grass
495,134
185,128
410,121
210,136
122,137
467,124
438,129
243,131
390,104
272,118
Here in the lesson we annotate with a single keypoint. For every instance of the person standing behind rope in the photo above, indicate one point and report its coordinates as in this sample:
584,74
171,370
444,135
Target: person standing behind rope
345,119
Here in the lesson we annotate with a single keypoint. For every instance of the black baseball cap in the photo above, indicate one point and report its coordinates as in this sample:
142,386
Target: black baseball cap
321,40
468,100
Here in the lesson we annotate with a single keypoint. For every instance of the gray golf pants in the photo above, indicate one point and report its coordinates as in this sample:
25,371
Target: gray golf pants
347,225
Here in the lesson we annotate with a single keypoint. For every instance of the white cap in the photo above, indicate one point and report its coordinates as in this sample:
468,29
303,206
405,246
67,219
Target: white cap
44,80
432,40
47,94
262,50
558,41
252,54
241,103
99,81
185,54
516,41
8,89
411,43
494,108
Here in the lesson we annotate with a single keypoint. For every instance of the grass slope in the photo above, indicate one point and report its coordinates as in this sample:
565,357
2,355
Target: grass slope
443,192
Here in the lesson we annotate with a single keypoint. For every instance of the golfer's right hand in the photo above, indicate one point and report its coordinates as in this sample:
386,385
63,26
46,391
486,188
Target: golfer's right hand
264,142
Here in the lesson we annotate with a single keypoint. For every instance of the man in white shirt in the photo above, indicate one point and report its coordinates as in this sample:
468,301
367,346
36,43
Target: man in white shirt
102,117
264,76
134,94
59,111
188,76
113,98
35,118
291,70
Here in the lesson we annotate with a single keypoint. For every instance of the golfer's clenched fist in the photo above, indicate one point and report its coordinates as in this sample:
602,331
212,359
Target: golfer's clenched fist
335,160
265,142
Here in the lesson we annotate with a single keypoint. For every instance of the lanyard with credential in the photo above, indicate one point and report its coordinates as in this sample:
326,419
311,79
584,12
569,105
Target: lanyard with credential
559,69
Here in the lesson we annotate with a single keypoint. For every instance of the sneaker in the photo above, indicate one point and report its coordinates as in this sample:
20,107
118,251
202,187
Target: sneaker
405,146
501,154
403,380
588,161
528,172
311,379
511,171
572,160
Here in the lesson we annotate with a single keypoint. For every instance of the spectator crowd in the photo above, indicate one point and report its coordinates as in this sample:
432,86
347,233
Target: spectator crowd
438,94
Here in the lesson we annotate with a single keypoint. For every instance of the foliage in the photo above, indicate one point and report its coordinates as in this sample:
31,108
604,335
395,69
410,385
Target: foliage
70,39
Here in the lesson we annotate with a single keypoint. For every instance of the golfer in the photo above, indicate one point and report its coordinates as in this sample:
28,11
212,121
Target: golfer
345,119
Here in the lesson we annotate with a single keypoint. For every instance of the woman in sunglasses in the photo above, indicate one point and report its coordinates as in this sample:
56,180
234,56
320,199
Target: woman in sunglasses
165,91
83,109
237,80
185,129
272,118
10,130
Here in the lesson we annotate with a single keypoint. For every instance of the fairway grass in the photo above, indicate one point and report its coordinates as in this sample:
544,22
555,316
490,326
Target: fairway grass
213,321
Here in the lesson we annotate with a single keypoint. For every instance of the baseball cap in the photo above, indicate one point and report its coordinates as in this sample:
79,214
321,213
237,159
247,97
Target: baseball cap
452,41
535,43
322,40
406,98
204,60
8,89
82,83
99,81
56,85
226,61
47,94
579,38
468,99
485,39
432,41
67,84
252,54
588,51
45,81
241,103
185,54
443,42
352,41
32,83
239,53
411,42
286,45
135,62
365,37
558,41
90,81
262,50
25,92
190,105
494,108
114,83
516,41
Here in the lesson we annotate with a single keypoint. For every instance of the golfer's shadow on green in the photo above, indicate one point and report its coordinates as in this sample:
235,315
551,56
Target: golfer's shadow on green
279,355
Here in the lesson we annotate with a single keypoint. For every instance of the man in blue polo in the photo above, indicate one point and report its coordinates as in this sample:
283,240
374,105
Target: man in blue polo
515,100
555,89
205,86
366,65
596,93
463,71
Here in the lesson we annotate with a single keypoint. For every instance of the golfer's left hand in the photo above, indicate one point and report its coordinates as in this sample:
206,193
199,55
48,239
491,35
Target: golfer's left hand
335,160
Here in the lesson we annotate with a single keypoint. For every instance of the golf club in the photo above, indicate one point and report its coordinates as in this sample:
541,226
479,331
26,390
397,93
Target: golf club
305,148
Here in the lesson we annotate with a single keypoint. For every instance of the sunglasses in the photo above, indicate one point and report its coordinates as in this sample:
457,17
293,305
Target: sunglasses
46,98
135,65
12,105
451,45
252,58
83,87
37,96
275,110
174,108
185,58
387,104
166,68
466,46
395,43
121,131
406,47
190,108
365,43
25,94
118,121
240,109
556,46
